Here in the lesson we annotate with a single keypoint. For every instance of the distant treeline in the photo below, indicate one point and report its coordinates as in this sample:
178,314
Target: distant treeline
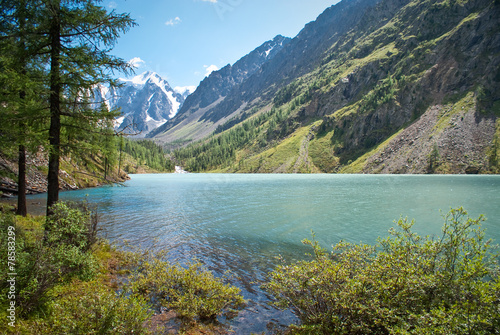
220,150
148,153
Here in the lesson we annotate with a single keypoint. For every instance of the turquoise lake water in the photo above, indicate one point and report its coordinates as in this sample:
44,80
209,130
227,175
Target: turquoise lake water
240,222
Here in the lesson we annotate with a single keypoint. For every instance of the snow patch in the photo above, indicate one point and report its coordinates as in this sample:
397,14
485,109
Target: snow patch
139,79
118,121
154,123
159,82
269,51
175,104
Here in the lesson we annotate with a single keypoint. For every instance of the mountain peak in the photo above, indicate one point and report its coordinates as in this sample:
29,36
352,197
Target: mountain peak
219,84
146,101
143,78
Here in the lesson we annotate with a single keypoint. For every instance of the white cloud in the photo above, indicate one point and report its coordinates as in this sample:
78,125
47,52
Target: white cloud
136,62
112,5
184,89
173,22
209,69
212,1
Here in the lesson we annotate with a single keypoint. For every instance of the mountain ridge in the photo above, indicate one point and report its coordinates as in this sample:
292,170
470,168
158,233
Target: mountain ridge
146,101
386,65
283,68
215,87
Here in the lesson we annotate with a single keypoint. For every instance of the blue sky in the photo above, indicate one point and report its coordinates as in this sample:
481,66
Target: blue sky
183,40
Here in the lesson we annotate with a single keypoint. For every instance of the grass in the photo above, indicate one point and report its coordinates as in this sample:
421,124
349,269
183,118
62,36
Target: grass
322,153
280,158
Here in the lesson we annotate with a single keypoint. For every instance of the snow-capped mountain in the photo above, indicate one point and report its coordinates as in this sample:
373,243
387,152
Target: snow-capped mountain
146,101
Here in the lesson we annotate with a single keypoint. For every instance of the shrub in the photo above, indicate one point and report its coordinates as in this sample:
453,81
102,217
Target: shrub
46,259
192,292
73,223
92,308
406,284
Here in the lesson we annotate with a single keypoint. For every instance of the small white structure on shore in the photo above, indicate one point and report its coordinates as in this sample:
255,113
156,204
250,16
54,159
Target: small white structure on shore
178,169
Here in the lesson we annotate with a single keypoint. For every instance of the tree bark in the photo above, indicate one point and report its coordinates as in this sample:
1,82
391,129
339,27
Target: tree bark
55,110
120,157
21,183
21,162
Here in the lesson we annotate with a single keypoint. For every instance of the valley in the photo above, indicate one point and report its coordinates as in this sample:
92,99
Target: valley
266,199
349,89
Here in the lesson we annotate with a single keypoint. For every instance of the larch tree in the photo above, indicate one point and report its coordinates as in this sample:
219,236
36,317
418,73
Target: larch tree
69,44
20,72
78,35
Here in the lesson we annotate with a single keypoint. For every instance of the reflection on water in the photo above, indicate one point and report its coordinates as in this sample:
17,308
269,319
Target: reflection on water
240,223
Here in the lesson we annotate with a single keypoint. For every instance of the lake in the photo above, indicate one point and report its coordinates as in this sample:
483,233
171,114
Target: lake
240,223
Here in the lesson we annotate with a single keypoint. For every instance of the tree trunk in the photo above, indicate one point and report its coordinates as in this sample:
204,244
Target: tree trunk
105,168
21,175
21,183
120,157
55,110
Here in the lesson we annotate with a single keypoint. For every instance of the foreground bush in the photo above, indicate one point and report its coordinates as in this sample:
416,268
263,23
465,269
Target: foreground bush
67,280
192,292
57,289
43,258
406,284
92,308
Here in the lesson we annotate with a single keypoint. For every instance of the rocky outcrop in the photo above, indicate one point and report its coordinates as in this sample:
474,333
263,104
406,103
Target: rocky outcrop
442,140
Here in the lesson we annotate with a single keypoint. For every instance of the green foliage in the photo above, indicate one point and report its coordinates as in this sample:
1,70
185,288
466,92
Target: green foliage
494,153
383,93
220,150
192,292
92,308
148,153
434,158
58,257
286,94
235,120
406,284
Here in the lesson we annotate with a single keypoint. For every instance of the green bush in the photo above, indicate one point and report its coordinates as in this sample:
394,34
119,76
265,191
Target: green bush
92,308
74,223
73,232
44,259
406,284
192,292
